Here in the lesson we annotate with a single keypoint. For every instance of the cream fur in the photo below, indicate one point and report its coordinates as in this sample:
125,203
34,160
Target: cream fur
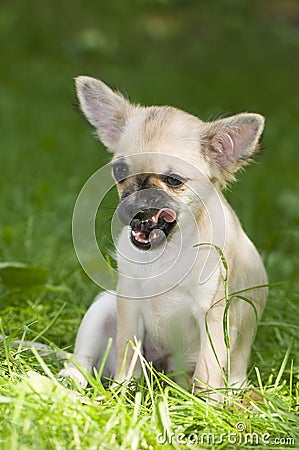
168,310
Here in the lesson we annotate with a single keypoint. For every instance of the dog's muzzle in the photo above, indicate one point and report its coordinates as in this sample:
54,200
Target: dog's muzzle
150,227
149,220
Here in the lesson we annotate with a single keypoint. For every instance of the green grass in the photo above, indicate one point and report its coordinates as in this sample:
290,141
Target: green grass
208,58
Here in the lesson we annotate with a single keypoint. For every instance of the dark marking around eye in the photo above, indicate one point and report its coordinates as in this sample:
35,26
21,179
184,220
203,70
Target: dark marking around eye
120,171
172,180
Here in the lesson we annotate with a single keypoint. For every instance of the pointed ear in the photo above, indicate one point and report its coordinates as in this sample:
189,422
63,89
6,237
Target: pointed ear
231,142
105,109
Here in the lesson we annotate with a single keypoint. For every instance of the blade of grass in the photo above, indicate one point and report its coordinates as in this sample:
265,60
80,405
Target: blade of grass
283,366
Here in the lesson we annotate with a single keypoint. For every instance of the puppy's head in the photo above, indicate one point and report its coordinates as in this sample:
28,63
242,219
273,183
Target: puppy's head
165,160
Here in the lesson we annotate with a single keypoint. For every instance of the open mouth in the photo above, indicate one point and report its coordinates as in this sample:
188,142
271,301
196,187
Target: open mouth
150,227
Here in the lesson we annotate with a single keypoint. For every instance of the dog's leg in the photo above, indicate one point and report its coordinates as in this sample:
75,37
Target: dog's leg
98,325
212,360
213,370
239,360
244,333
130,329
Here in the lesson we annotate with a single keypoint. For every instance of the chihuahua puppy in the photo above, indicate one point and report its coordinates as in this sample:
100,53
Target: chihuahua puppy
191,284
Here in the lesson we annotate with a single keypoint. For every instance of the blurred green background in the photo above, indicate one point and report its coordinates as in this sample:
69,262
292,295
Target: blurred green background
206,57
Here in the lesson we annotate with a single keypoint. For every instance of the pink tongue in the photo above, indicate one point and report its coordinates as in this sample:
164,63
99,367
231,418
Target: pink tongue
167,214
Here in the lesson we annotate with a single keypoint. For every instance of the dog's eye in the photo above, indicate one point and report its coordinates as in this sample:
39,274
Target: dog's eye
120,171
173,180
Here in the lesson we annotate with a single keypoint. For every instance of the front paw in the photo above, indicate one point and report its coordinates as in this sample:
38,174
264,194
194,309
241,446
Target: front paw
74,374
212,395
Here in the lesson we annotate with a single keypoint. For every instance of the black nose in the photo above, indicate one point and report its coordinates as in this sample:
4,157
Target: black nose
144,203
127,211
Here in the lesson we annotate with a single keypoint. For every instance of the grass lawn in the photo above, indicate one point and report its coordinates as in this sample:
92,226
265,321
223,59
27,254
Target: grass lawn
208,58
